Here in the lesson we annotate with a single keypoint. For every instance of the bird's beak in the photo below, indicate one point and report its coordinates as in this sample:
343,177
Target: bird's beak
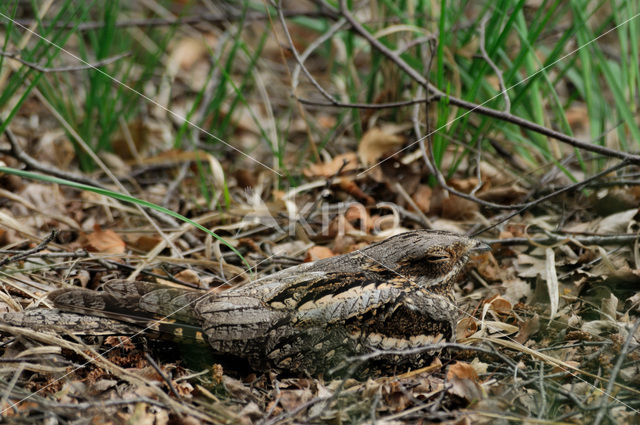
479,248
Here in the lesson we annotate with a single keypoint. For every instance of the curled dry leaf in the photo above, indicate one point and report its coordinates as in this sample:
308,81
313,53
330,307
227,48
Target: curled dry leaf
608,307
331,168
552,282
376,143
500,305
357,215
466,327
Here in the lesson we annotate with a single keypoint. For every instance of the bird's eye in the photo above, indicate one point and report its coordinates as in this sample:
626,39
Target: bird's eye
438,257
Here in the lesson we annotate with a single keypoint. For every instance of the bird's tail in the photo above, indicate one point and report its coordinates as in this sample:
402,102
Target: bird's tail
121,308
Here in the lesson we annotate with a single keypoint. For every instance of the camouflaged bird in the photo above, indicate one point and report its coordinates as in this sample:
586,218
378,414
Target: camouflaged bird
310,318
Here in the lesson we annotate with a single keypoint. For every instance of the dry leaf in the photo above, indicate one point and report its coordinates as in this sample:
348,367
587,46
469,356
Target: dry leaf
528,266
616,223
330,169
608,308
517,290
188,276
457,208
316,253
291,399
375,143
466,327
187,52
422,197
355,213
503,195
145,243
464,381
105,241
464,185
528,328
479,367
552,282
350,187
500,305
462,370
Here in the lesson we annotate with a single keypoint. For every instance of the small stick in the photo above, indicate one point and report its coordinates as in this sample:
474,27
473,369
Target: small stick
41,246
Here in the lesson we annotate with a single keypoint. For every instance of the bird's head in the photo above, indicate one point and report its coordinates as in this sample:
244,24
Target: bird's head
429,258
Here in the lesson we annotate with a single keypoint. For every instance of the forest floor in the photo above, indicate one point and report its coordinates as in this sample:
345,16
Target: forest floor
222,122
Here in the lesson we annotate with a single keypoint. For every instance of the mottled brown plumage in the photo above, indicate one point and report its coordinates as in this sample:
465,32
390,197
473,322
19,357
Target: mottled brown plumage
307,319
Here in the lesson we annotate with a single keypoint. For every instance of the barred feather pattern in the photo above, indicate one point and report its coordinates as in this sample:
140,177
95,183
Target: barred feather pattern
311,318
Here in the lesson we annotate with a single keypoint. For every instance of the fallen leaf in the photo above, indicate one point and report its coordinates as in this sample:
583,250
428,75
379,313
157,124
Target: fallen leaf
350,187
105,241
464,185
145,243
463,380
457,208
552,282
517,290
189,276
318,253
357,215
500,305
422,197
186,52
462,370
608,307
331,168
376,143
616,223
503,195
466,327
528,328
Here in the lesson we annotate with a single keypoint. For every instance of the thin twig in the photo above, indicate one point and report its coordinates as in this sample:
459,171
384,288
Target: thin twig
417,350
33,164
11,384
41,246
389,105
552,239
604,401
37,67
543,393
568,188
162,374
185,20
474,107
487,59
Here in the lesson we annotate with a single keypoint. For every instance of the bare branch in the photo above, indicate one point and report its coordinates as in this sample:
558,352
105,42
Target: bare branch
496,70
474,107
37,67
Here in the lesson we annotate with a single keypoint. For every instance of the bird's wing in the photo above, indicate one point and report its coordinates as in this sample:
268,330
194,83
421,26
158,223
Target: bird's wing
306,297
